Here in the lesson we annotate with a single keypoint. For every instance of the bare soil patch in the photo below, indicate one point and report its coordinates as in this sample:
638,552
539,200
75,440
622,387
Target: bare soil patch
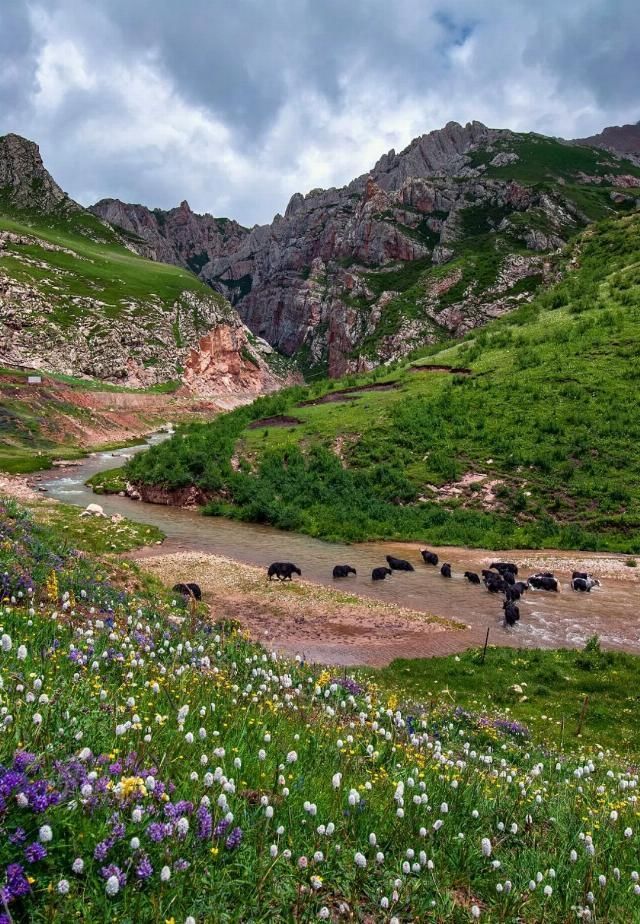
279,421
453,370
349,394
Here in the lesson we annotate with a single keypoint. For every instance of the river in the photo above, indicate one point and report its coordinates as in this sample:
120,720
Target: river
547,619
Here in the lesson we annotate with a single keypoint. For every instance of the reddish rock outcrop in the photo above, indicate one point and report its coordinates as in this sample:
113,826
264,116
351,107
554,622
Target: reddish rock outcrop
225,365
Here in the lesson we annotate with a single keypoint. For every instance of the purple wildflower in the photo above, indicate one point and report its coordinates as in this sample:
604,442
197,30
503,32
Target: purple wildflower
157,831
144,869
35,852
24,761
181,865
205,823
18,836
234,839
221,828
102,849
16,883
112,870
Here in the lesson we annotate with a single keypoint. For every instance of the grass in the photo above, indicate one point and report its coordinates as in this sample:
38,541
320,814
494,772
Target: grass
548,411
156,766
96,535
543,690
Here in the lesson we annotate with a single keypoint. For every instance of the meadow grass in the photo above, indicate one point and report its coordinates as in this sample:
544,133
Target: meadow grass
157,766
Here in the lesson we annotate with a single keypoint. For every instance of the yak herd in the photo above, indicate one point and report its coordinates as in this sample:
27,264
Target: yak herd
500,578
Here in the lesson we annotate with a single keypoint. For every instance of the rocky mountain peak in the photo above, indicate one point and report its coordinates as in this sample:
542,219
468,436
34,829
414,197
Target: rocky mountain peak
24,181
623,139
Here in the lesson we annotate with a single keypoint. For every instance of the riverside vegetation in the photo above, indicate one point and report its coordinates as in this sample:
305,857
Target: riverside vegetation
159,766
542,410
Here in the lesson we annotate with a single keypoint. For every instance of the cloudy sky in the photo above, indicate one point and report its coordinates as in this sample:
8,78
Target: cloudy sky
236,104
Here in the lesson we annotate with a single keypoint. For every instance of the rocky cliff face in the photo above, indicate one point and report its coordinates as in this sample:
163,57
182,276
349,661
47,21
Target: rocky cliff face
459,227
24,181
177,236
68,304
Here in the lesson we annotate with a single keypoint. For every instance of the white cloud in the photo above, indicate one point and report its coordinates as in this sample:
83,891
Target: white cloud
139,102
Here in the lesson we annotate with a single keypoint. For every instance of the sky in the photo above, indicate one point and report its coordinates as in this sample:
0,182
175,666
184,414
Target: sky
234,106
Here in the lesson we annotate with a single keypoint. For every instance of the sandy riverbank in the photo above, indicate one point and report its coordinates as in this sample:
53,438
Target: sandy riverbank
301,618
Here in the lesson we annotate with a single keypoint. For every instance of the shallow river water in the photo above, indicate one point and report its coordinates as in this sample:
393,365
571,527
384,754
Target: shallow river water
547,619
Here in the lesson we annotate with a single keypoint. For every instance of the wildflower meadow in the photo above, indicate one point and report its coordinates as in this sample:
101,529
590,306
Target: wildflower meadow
158,766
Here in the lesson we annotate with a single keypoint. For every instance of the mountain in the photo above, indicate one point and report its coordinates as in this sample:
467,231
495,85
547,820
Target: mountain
522,434
461,226
76,298
177,236
624,139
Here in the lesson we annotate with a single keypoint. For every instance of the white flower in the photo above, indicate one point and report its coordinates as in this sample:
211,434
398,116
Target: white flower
113,886
628,832
6,642
292,757
37,718
190,920
573,856
78,865
45,834
21,653
602,881
613,815
182,826
262,754
475,912
360,860
336,780
486,847
165,874
324,913
438,824
134,843
63,887
273,851
547,891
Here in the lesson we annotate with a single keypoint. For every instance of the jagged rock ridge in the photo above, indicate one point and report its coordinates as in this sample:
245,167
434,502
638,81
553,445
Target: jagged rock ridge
624,139
457,228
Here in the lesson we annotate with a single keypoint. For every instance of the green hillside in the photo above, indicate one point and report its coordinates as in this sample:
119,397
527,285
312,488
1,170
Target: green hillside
544,407
90,263
76,299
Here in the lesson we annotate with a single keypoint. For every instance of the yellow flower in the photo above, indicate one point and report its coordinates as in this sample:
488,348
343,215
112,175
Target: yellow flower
215,851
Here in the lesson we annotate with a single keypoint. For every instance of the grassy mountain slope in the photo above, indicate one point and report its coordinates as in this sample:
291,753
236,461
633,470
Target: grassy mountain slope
78,301
156,767
76,298
533,442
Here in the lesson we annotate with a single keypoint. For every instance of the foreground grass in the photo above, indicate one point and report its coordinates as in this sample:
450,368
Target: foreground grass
156,767
543,690
548,413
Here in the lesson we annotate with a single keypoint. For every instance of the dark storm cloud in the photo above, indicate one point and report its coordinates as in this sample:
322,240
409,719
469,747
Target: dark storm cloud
236,105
